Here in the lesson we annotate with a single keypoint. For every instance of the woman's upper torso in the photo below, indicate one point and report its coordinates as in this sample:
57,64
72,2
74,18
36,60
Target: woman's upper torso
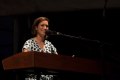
32,45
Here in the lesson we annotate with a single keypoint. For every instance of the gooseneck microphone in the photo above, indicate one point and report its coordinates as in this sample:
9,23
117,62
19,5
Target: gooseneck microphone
50,32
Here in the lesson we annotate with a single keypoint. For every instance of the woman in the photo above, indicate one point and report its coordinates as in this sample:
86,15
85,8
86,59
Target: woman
39,43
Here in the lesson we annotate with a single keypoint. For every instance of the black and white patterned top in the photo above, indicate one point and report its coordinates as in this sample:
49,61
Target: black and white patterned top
32,45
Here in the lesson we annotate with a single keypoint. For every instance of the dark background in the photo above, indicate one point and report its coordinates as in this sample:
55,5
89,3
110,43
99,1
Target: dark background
96,23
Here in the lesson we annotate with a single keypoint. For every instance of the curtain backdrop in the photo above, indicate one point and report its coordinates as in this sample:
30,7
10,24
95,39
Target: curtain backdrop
11,7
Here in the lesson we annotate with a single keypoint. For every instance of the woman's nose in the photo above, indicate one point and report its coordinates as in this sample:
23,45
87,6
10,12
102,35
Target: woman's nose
46,28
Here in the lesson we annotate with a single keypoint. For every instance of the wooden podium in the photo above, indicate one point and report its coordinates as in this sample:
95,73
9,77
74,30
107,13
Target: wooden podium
52,62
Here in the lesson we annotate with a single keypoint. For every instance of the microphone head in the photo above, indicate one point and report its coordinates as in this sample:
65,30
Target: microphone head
49,32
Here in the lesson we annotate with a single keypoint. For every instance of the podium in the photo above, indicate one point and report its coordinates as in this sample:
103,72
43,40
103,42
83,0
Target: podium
51,62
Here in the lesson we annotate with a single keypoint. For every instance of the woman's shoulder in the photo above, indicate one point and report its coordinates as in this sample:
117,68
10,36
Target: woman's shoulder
47,41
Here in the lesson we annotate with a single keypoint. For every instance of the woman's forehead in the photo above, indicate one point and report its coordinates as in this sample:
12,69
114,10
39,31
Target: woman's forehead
44,22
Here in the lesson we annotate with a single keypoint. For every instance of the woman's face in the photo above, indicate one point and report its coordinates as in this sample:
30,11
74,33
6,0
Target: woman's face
42,28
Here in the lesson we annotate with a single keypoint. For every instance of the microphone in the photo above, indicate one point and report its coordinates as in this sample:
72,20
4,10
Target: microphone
50,32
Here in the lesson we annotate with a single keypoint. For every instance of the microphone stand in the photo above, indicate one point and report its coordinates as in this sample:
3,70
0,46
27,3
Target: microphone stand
102,55
101,45
79,38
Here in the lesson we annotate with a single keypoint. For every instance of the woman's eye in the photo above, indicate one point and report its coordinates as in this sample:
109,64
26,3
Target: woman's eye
44,25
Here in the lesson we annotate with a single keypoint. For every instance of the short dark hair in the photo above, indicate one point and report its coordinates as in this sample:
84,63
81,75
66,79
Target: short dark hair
36,22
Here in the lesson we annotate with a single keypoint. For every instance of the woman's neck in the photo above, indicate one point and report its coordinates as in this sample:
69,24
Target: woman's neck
40,38
40,41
